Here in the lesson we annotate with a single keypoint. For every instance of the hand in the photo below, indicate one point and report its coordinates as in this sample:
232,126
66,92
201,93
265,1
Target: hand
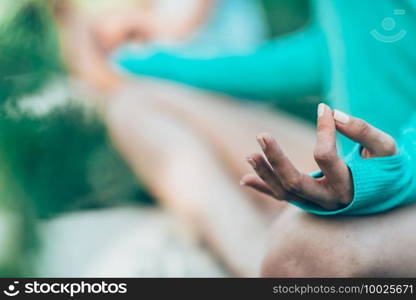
277,177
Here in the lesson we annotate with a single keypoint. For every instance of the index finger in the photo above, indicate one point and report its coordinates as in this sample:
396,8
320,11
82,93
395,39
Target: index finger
295,182
325,152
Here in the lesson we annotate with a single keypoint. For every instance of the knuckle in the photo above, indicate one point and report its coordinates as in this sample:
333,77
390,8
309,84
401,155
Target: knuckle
389,146
341,197
293,184
323,155
323,126
344,199
262,174
362,128
273,161
278,195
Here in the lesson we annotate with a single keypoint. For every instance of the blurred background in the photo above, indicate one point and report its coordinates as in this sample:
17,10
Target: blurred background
69,204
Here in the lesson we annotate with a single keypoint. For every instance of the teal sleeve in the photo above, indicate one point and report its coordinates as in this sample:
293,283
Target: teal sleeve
285,66
380,183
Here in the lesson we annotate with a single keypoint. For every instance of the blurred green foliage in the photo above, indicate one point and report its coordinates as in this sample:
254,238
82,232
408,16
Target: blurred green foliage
64,160
28,56
51,163
17,239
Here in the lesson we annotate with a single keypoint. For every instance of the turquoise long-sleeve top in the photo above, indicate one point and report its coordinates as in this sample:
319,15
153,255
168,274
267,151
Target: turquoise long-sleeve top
358,54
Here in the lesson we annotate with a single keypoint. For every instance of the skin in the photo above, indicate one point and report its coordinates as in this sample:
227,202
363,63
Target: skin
304,245
276,176
87,39
296,244
143,121
143,23
147,137
81,54
292,243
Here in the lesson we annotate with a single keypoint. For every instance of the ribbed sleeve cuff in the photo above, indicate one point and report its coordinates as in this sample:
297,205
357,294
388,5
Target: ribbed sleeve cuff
380,184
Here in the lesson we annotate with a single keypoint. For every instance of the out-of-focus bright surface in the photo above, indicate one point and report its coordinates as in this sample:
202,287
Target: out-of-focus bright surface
122,242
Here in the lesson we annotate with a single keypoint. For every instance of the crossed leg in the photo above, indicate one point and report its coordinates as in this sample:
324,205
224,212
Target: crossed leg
302,245
184,152
230,128
184,174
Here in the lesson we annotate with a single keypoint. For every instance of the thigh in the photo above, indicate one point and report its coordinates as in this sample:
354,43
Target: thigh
232,125
388,242
230,128
306,245
184,175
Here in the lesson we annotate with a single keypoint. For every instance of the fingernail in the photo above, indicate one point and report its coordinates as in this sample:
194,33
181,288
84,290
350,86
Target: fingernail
242,182
341,117
251,162
261,141
321,109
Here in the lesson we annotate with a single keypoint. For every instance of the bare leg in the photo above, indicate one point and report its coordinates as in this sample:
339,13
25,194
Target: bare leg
144,140
231,126
302,245
183,173
227,122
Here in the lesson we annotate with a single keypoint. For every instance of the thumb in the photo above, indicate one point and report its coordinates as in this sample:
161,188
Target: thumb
375,141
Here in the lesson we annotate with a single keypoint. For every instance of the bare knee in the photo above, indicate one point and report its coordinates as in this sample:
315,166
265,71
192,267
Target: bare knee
307,246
